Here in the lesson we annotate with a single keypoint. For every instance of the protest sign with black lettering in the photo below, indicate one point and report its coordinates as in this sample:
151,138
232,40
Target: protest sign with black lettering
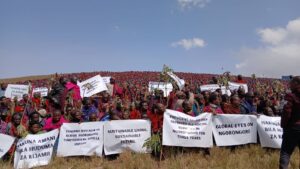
209,87
42,90
270,132
232,130
165,87
14,90
92,86
35,150
235,86
81,139
120,135
183,130
106,79
6,142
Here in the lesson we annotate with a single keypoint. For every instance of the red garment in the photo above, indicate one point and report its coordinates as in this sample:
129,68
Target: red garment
209,109
291,111
19,109
241,81
156,121
49,125
135,114
76,90
37,102
117,90
232,110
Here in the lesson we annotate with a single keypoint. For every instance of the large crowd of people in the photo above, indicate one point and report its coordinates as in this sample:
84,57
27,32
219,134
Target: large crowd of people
128,97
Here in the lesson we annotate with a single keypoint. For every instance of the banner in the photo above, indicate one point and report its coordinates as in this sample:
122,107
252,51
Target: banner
235,86
92,86
106,79
120,135
214,87
232,130
209,87
35,150
180,82
6,142
81,139
42,90
14,90
270,132
183,130
165,87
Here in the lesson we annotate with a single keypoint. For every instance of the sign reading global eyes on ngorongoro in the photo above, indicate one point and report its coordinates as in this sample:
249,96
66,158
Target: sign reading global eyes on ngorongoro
229,130
183,130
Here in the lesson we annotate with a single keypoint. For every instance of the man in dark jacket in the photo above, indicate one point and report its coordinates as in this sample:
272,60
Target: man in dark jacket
290,122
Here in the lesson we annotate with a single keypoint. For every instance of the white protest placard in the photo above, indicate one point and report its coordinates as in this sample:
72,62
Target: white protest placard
81,139
183,130
180,82
232,130
42,90
120,135
92,86
235,86
6,143
35,150
106,79
165,87
209,87
214,87
270,132
14,90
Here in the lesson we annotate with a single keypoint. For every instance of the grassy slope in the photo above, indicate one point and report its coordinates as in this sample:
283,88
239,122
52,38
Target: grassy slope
249,157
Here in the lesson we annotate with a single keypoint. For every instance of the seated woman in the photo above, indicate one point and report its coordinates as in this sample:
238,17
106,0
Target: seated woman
55,121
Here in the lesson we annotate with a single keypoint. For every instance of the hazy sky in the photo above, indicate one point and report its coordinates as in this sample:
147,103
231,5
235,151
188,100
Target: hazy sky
202,36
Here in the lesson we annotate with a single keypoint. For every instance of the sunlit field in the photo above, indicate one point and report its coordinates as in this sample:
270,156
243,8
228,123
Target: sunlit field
246,157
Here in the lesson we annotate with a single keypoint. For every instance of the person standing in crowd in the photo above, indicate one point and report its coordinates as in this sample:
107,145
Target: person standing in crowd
15,128
88,108
214,105
3,124
187,108
156,117
247,106
240,79
2,90
35,128
290,122
234,106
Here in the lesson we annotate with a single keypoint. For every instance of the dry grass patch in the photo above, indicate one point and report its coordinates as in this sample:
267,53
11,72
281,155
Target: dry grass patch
245,157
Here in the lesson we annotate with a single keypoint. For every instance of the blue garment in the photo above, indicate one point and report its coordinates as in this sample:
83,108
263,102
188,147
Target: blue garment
105,118
87,111
247,108
2,93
